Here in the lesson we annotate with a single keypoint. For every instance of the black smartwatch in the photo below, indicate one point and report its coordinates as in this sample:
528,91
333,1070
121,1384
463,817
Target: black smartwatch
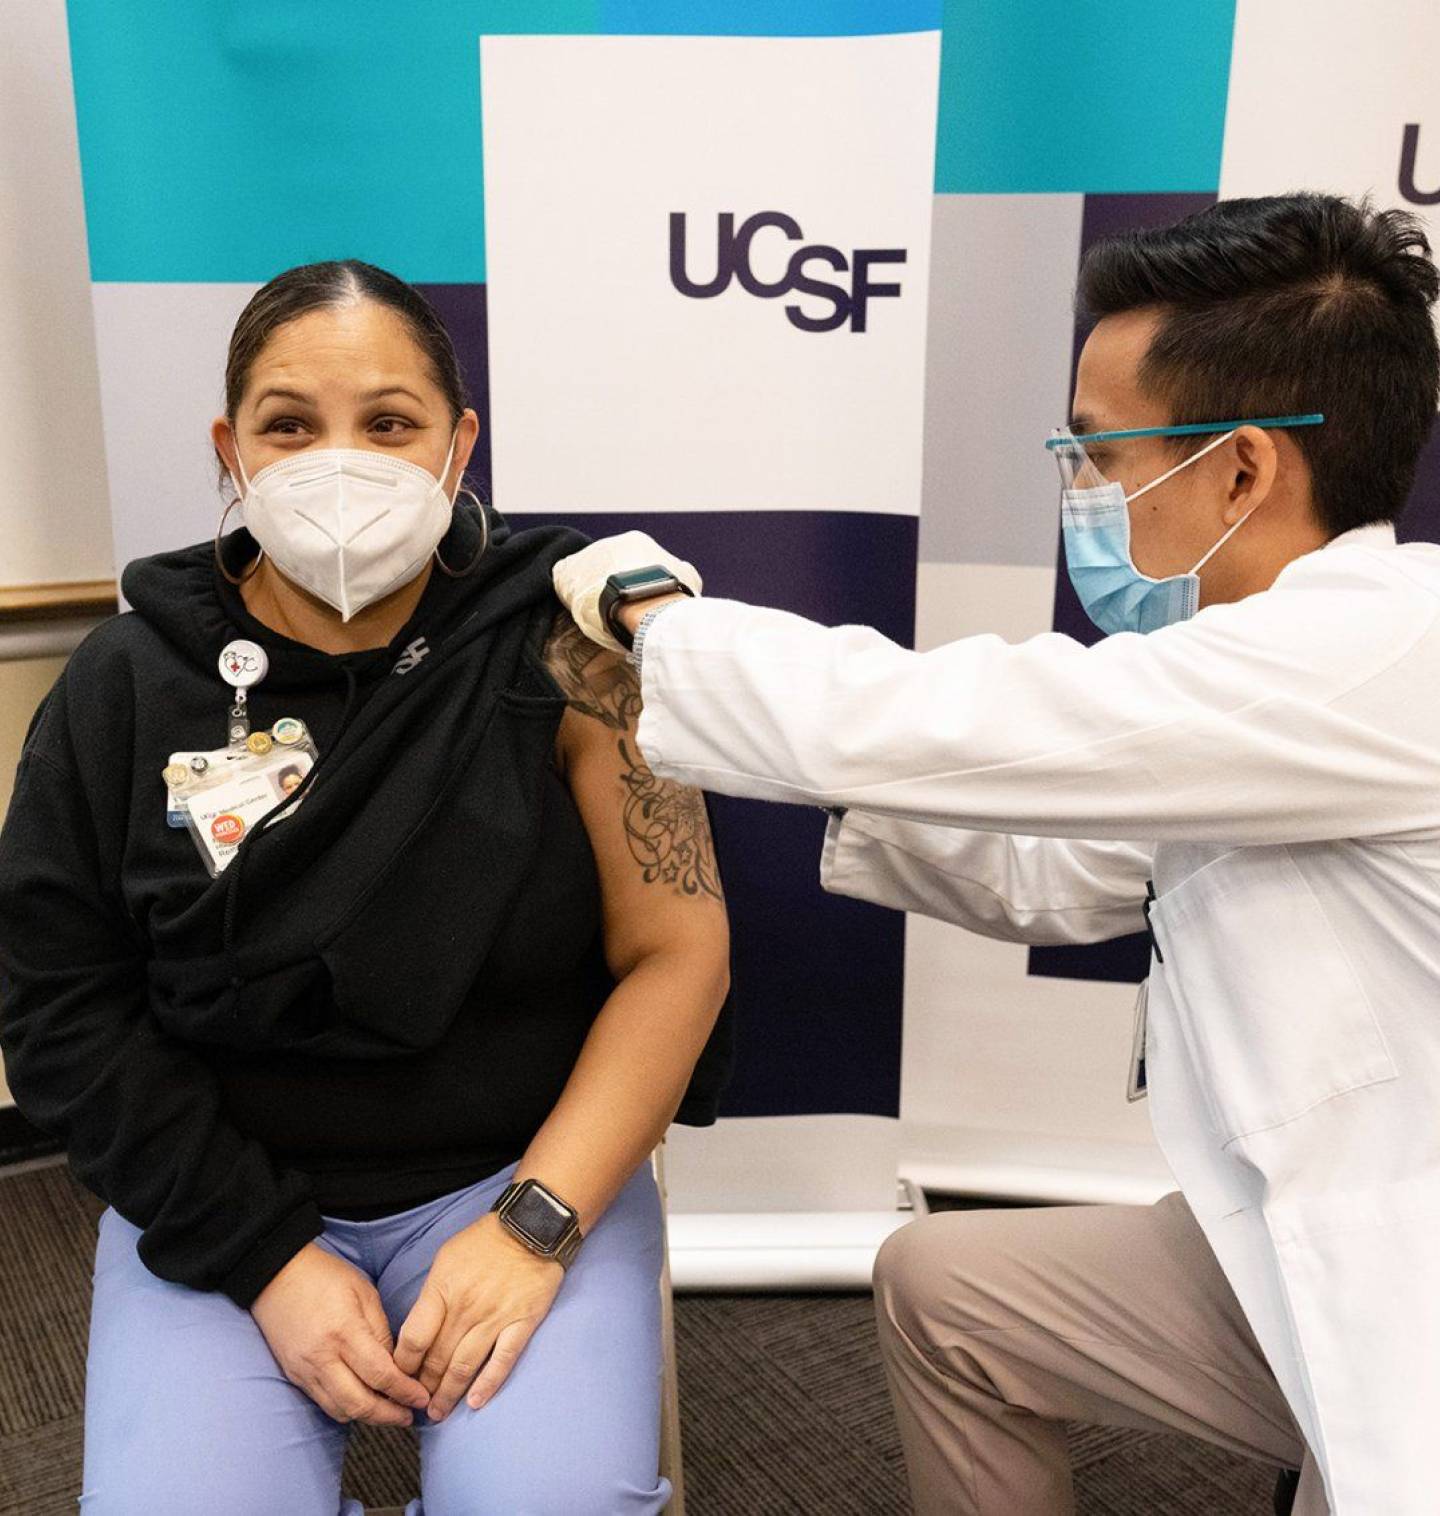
633,585
540,1219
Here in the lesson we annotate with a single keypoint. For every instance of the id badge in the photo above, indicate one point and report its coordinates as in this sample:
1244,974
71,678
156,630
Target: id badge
1136,1089
220,795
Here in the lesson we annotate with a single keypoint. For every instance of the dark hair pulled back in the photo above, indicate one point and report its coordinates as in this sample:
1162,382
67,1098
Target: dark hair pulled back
318,286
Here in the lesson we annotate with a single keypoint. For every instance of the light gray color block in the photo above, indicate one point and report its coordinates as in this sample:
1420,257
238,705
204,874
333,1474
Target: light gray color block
997,374
162,369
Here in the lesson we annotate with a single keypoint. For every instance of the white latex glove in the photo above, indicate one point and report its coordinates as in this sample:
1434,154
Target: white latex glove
580,578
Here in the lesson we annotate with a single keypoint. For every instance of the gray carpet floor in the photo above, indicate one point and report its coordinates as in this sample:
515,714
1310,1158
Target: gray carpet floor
783,1403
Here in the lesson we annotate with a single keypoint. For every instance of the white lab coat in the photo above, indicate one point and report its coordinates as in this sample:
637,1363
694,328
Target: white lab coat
1274,766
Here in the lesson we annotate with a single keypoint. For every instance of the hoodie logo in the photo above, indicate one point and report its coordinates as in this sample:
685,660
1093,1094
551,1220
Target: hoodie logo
411,656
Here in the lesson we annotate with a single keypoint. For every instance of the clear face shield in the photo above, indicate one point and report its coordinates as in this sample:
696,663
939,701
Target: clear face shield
1095,518
1084,457
1078,471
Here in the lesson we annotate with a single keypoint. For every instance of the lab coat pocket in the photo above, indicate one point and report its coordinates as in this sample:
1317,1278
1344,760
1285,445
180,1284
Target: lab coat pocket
1275,1016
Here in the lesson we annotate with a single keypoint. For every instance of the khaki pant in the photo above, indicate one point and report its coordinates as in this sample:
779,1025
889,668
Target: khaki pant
997,1325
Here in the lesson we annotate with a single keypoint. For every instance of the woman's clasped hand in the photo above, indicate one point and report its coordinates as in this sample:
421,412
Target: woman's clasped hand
484,1298
481,1303
324,1322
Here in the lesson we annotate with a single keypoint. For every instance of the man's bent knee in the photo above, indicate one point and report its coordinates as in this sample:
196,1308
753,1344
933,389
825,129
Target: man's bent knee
912,1267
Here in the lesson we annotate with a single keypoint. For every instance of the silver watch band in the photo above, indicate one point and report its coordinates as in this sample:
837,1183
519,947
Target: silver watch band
637,647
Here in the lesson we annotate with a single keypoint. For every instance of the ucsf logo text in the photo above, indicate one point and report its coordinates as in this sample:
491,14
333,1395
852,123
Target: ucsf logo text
849,301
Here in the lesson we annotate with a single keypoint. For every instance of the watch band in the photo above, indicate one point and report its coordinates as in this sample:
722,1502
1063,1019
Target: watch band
565,1247
652,581
637,647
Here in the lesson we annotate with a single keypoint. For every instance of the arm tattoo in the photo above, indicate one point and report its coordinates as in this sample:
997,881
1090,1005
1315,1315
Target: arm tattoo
667,827
594,680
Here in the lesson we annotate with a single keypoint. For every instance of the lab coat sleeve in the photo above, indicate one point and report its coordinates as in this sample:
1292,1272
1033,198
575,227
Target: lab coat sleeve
1306,712
1013,888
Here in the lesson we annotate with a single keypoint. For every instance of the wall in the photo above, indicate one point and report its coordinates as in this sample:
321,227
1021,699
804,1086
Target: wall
54,512
54,507
21,687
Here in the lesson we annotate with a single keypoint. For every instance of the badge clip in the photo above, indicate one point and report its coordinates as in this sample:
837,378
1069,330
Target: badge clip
242,664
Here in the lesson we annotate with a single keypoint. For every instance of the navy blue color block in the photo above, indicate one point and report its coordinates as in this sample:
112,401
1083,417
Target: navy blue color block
1420,520
818,979
462,308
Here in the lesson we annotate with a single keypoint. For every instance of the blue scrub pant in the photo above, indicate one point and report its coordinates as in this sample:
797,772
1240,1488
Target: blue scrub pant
187,1412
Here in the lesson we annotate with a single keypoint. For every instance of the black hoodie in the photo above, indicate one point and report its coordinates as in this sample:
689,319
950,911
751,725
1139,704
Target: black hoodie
380,998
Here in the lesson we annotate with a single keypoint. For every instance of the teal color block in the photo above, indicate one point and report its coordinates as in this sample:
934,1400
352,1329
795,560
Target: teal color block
225,140
1088,96
768,18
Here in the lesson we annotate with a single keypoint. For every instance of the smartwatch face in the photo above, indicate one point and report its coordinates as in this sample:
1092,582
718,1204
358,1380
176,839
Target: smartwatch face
539,1217
639,579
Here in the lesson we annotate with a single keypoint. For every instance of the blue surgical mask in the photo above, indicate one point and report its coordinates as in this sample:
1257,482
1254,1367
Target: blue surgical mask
1116,596
1095,518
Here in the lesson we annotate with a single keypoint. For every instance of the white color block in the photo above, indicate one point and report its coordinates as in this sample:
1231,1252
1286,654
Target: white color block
783,1164
818,1250
162,382
1320,94
610,390
1012,1084
54,517
1051,1168
783,1202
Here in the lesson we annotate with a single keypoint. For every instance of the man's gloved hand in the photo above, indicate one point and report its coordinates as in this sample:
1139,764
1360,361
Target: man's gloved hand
580,578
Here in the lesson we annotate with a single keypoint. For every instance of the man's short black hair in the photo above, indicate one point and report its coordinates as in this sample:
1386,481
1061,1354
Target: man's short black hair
1283,305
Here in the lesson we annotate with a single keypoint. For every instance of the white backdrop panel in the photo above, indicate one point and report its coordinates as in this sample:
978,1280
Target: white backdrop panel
1320,94
611,391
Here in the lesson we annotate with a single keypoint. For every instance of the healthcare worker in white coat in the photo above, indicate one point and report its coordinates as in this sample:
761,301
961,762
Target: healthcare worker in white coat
1257,746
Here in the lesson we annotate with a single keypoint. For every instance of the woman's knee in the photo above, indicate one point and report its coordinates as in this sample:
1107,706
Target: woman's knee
186,1409
182,1487
537,1482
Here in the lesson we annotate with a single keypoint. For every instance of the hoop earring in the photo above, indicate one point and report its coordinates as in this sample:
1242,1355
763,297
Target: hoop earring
219,559
484,541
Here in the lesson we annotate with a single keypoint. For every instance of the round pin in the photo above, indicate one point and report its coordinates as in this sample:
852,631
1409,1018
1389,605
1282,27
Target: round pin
243,663
175,775
288,729
199,763
259,743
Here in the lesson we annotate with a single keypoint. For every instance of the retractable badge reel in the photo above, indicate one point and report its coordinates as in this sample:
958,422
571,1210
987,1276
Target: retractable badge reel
243,664
221,794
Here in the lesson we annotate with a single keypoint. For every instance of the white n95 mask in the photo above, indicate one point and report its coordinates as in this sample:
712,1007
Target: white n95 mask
348,524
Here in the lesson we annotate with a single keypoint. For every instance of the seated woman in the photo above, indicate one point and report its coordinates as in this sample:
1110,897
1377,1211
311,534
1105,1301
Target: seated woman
301,1030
